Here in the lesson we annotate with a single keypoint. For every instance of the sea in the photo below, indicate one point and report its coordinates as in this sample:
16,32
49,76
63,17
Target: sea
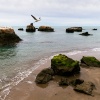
20,60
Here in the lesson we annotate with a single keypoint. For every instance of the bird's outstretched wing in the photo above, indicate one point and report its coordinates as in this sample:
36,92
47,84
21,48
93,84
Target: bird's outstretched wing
34,17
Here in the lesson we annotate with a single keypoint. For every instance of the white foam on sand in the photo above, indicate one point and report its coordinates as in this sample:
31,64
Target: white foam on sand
20,76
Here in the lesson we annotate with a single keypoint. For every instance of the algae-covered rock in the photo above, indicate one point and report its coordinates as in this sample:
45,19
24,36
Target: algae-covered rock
90,61
63,65
44,76
85,87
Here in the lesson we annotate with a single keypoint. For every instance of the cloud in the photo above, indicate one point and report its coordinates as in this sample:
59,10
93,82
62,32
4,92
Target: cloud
68,9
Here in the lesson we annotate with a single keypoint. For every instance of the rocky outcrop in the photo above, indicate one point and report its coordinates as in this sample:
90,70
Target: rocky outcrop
46,29
20,29
63,65
85,87
8,36
90,61
74,29
44,76
85,34
30,28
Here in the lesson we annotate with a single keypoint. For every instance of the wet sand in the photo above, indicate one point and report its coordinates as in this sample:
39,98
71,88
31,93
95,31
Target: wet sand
28,90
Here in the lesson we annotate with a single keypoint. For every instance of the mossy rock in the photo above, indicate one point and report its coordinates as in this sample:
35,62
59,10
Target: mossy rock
90,61
63,65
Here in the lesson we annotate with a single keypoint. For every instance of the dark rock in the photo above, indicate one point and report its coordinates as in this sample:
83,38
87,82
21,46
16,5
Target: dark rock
85,34
8,36
90,61
30,28
74,29
62,65
77,82
63,82
20,29
68,30
46,29
44,76
85,87
94,29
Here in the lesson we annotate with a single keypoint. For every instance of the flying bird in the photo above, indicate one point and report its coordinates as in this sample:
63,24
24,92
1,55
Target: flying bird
36,20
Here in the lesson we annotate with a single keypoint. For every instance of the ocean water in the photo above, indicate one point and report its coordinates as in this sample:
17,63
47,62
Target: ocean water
18,61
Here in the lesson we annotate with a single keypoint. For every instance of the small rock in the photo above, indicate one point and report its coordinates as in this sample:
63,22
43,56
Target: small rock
85,87
63,82
77,82
20,29
85,34
94,29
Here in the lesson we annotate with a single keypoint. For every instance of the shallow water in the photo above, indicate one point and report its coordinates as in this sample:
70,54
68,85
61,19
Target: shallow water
22,58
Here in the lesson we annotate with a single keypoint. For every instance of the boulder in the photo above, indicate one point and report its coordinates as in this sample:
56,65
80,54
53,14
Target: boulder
46,29
85,87
63,82
44,76
20,29
90,61
8,36
63,65
74,29
85,34
30,28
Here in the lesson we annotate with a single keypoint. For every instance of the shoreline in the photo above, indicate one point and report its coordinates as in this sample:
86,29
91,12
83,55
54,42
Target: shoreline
28,90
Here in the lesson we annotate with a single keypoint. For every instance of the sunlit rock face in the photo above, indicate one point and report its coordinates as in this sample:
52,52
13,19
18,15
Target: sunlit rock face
8,36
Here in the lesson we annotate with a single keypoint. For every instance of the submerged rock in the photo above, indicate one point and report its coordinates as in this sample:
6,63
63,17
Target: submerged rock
74,29
44,76
90,61
30,28
85,87
85,34
63,65
8,36
46,29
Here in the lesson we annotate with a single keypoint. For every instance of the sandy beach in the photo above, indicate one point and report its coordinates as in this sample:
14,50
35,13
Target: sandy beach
29,90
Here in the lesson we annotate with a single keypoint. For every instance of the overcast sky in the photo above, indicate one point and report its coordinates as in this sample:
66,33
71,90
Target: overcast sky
52,12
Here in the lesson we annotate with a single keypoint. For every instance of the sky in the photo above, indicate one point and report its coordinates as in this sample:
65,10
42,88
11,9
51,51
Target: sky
52,12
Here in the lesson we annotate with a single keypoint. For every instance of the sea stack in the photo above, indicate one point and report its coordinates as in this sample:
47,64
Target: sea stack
46,29
8,36
74,29
30,28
